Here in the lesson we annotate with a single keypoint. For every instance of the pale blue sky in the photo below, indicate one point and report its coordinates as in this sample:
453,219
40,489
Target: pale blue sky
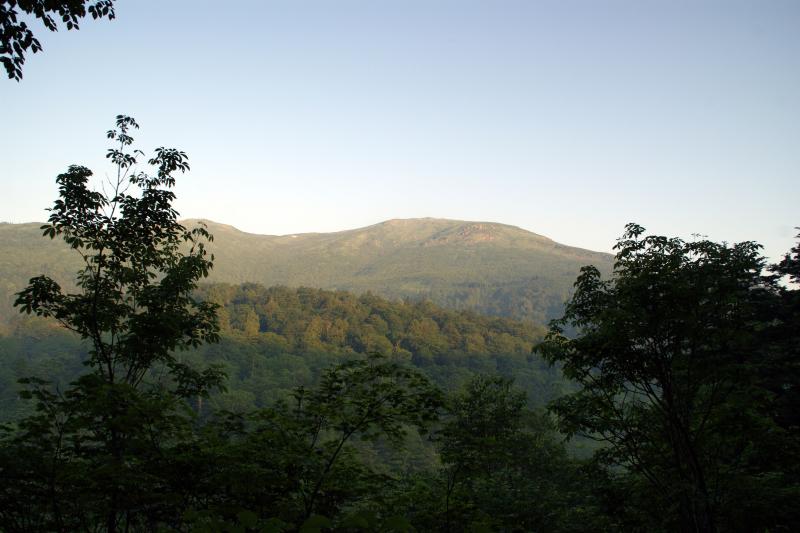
567,118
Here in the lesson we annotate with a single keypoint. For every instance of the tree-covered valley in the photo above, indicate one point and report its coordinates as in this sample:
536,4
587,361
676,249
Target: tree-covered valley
273,340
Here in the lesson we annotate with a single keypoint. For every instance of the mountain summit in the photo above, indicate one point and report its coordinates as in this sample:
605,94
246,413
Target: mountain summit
487,267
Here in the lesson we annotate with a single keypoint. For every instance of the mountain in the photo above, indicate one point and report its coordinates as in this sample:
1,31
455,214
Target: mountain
487,267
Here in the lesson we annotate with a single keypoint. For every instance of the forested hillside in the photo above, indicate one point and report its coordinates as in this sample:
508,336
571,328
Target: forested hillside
275,339
489,268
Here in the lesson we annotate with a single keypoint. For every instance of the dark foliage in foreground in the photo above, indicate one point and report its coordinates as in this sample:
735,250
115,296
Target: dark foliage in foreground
685,365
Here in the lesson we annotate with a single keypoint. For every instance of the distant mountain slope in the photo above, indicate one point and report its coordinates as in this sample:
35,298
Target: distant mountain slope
491,268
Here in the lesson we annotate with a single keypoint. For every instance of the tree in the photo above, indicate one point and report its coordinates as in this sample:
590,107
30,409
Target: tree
784,370
790,263
669,357
94,452
296,461
16,37
503,466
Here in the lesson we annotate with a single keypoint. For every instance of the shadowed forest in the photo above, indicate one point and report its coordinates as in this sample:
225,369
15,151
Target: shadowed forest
137,395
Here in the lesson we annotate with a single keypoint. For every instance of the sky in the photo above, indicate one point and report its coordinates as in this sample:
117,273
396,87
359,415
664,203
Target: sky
567,118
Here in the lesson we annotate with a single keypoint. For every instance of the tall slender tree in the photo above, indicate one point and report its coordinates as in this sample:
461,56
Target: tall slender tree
93,452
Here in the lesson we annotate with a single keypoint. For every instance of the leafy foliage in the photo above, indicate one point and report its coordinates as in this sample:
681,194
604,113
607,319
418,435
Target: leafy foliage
292,461
504,467
16,38
670,359
95,450
274,339
134,304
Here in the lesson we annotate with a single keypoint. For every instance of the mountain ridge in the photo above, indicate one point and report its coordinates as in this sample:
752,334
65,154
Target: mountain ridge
468,228
489,267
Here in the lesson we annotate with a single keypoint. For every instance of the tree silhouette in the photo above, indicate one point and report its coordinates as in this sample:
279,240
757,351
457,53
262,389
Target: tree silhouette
16,38
670,355
95,452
